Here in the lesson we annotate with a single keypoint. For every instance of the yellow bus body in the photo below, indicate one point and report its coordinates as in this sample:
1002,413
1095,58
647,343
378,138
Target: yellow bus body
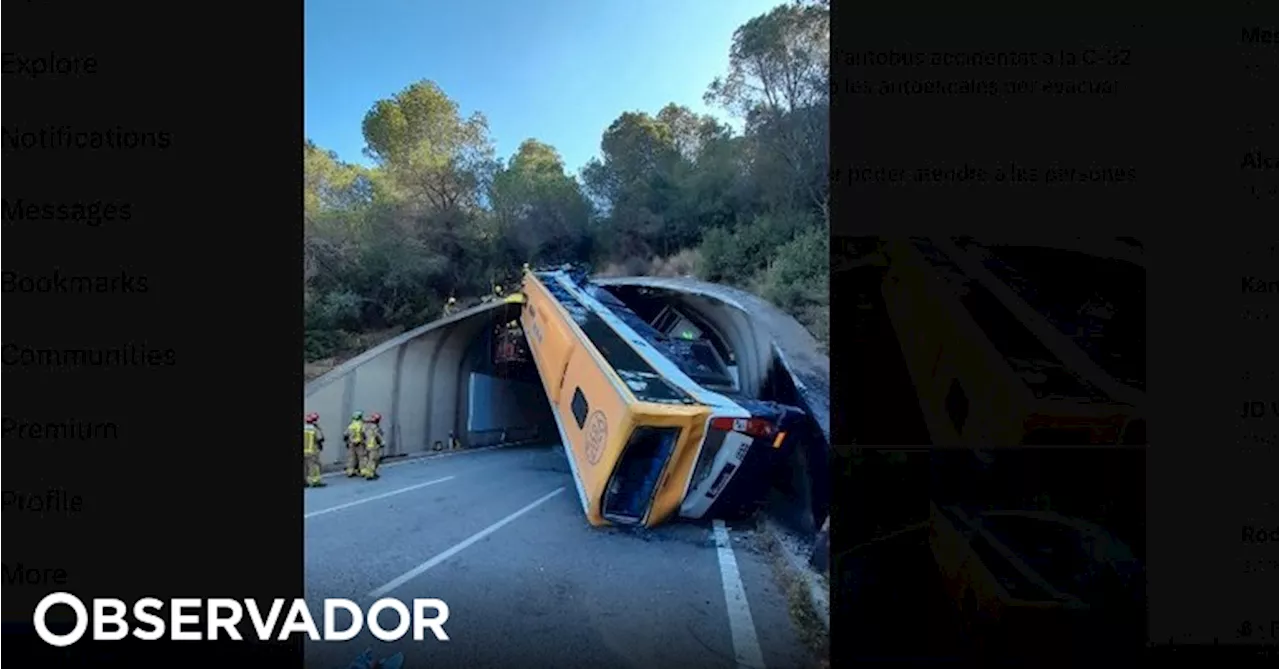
569,363
949,355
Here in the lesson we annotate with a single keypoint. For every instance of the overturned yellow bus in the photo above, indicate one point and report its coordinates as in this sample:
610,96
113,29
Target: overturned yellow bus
646,428
1002,353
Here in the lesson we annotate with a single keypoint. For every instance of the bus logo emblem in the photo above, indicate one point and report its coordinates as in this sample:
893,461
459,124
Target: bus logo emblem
597,431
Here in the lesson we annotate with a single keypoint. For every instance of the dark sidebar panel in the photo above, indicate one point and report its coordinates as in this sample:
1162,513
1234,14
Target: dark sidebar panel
1054,251
152,318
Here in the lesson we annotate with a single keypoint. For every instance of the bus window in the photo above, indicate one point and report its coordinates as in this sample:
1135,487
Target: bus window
649,387
635,478
699,360
579,407
645,383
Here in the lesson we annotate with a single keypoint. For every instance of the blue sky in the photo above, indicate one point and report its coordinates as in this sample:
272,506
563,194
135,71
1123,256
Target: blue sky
559,71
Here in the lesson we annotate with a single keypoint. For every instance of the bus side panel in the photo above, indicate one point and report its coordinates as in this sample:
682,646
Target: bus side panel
551,345
581,393
550,340
968,393
597,423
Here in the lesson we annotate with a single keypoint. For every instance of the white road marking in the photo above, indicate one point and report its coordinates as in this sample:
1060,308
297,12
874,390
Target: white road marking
425,457
746,647
384,495
458,548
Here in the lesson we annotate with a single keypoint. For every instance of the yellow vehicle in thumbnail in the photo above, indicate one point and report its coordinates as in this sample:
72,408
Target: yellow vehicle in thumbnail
645,434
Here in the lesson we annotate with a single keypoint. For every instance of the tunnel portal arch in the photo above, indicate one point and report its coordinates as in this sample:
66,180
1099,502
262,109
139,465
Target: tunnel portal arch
425,381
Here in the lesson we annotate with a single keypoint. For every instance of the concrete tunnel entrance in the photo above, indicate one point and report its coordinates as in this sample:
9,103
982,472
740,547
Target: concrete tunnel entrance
504,399
457,379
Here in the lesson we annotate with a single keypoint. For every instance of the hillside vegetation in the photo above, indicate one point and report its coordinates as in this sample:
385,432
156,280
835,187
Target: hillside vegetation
672,193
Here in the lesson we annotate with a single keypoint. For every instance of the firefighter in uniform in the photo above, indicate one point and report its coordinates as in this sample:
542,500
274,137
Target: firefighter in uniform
353,437
312,444
372,446
450,306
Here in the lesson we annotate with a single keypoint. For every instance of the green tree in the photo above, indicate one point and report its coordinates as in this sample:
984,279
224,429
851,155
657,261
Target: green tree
649,181
778,81
435,155
438,166
438,215
540,211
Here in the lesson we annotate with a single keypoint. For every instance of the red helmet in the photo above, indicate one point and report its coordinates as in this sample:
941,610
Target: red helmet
313,417
375,417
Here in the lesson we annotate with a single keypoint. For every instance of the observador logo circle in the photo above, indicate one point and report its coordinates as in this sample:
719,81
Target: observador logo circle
597,432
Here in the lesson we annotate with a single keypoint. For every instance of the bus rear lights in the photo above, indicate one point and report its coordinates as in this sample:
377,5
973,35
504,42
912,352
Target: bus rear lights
755,427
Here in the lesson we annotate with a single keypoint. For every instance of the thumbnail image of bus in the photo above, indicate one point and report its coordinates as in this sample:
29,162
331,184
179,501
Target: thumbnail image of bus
649,422
1017,344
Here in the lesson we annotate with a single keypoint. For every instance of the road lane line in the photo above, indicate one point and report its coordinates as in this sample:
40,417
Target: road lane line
430,455
746,647
420,569
384,495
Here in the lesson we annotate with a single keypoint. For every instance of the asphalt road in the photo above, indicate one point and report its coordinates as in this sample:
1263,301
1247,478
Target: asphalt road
499,535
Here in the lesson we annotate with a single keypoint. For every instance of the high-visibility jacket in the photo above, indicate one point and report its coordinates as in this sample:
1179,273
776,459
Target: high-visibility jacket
312,439
355,433
372,435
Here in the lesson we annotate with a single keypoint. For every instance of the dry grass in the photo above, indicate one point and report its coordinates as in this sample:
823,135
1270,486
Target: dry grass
359,344
318,368
807,622
684,263
817,320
